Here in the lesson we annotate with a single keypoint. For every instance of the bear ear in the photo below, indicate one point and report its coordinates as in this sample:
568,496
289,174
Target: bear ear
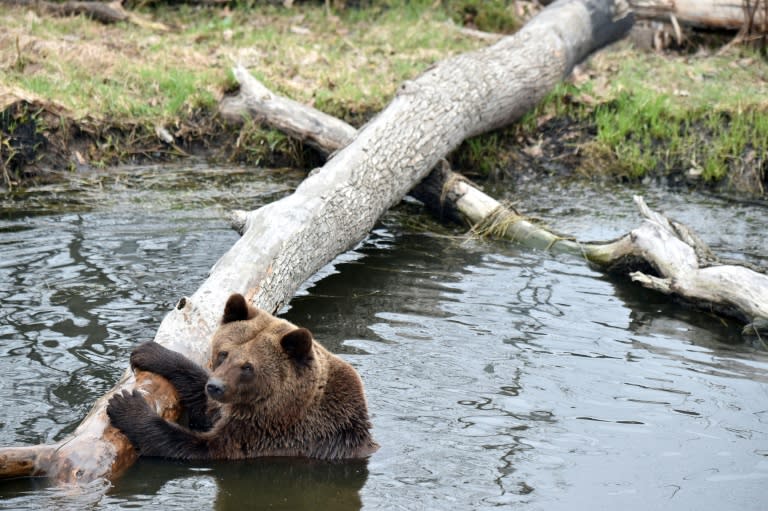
236,309
298,344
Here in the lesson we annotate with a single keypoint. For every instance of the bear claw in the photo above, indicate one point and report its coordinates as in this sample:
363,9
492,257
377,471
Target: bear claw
126,406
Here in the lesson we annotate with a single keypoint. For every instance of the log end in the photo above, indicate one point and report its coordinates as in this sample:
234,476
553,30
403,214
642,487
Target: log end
26,461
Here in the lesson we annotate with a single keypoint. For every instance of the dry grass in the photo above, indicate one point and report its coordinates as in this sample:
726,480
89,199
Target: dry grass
118,83
135,73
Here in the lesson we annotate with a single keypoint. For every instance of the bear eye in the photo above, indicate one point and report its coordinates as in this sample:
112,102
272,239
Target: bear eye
221,357
246,370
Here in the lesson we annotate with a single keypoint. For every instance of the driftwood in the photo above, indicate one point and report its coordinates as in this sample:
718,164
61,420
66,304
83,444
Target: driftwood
104,12
683,265
720,14
287,241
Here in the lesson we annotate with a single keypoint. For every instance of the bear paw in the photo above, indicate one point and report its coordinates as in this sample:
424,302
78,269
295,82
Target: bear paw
151,357
127,409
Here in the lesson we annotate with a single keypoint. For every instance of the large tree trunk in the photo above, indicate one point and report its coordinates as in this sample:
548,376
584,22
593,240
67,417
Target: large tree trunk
444,192
287,241
683,265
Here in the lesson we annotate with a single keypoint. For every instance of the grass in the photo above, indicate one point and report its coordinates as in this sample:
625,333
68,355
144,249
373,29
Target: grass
347,63
652,133
300,51
702,116
706,113
132,79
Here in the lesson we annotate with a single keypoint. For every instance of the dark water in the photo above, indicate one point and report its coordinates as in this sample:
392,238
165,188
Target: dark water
497,377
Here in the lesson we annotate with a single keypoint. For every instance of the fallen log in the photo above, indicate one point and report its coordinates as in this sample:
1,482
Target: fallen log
683,265
287,241
104,12
444,192
714,14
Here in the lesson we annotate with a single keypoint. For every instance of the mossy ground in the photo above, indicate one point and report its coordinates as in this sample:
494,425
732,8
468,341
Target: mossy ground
75,92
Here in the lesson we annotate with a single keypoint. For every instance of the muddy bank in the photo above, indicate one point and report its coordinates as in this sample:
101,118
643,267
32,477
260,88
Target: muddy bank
43,145
566,147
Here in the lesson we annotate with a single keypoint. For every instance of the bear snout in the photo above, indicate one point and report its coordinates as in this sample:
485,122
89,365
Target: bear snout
215,388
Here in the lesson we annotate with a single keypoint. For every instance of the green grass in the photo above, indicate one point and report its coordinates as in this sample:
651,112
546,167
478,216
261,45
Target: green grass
656,114
651,133
634,125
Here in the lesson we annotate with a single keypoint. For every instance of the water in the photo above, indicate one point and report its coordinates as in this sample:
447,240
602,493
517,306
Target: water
497,377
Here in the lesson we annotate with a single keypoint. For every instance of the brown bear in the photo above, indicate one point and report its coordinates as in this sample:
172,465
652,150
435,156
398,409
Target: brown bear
273,391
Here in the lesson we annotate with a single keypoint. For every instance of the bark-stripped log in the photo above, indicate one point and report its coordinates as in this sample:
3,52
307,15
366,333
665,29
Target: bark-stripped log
721,14
104,12
446,193
287,241
684,265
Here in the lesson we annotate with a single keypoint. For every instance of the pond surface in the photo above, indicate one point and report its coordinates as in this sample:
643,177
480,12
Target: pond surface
497,377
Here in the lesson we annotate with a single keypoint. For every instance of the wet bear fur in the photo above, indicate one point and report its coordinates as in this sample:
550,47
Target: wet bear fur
273,391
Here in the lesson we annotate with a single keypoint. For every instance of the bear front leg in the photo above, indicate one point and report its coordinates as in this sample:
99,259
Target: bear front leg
188,378
150,434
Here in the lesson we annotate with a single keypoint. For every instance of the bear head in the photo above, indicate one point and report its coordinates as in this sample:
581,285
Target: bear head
264,365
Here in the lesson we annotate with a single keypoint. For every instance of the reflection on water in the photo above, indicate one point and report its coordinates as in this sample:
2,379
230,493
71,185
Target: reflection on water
495,376
269,483
281,484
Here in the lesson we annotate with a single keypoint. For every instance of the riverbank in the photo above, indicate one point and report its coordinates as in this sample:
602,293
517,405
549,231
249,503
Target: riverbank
77,94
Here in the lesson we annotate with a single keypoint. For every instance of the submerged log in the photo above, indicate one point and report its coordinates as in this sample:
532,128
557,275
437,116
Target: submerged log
683,265
287,241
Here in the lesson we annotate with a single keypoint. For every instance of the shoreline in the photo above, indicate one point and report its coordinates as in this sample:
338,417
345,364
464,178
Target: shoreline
80,95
